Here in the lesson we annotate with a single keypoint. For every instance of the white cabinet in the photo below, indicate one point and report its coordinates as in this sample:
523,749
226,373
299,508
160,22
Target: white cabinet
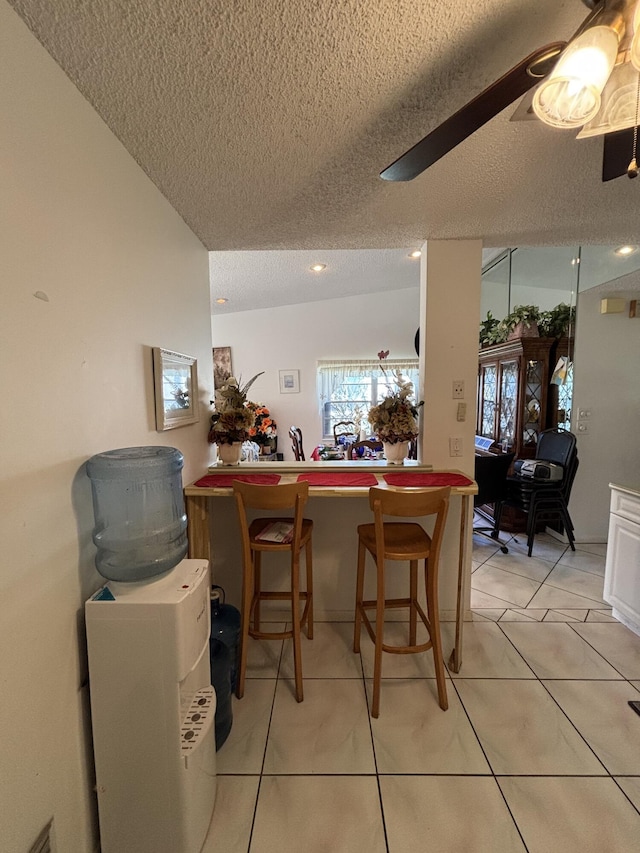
622,571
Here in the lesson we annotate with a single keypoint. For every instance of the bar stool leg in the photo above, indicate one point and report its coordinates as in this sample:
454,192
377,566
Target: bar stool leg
377,660
245,618
308,560
295,619
359,592
413,595
433,615
257,587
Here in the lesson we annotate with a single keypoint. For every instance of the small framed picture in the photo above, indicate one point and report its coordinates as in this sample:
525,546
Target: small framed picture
289,381
175,378
222,369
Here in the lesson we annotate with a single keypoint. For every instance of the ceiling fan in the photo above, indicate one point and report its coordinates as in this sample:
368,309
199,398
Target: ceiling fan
592,82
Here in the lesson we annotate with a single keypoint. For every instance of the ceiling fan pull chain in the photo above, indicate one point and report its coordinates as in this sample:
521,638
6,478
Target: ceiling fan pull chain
632,170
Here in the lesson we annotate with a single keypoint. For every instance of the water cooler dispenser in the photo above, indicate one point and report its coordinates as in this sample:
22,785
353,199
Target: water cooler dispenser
148,632
152,708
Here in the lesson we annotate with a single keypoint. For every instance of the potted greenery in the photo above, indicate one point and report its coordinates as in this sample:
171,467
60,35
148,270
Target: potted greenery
522,322
488,330
556,323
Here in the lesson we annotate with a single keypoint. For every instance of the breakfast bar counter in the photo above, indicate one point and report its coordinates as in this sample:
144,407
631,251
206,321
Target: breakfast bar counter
335,538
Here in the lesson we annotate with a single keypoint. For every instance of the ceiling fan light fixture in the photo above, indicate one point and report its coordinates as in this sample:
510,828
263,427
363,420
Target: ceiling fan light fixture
634,52
571,95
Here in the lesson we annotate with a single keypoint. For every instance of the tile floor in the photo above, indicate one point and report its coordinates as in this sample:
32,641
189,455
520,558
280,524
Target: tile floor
539,750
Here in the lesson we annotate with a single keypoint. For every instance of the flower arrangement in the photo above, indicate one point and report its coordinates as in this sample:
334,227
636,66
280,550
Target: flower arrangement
232,419
264,429
394,419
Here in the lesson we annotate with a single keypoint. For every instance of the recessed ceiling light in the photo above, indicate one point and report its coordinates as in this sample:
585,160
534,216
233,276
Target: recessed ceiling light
318,267
221,300
415,254
625,250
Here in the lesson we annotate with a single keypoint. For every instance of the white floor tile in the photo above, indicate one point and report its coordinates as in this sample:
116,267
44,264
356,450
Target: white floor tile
545,547
519,564
584,561
599,710
318,814
263,656
551,651
631,787
243,751
554,598
618,644
572,815
481,601
522,730
487,653
515,615
414,735
487,613
230,827
326,733
571,615
578,582
599,548
512,588
419,665
456,813
600,616
329,655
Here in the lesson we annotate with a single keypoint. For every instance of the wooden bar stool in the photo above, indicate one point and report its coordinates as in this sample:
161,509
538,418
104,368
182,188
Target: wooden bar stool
254,542
406,541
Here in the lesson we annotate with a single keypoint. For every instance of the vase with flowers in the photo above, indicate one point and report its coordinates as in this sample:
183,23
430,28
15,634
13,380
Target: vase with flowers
264,430
232,419
395,418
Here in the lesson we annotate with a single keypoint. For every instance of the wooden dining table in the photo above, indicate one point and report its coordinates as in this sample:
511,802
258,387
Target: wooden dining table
336,480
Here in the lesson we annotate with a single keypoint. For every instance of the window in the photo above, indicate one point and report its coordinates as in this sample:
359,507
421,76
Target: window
348,389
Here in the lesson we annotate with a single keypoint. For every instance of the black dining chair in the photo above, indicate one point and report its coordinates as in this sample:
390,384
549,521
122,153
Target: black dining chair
344,428
543,500
295,434
491,476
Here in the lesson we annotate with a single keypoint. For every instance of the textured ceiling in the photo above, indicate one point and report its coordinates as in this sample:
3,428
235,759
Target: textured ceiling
265,124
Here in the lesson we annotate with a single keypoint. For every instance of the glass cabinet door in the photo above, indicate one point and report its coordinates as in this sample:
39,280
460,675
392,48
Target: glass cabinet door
533,391
488,400
507,416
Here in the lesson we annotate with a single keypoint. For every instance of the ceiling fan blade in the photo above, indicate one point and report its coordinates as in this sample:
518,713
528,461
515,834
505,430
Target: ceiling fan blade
473,115
617,154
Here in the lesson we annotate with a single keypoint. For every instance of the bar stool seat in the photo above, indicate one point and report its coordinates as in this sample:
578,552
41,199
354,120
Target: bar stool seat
278,497
409,542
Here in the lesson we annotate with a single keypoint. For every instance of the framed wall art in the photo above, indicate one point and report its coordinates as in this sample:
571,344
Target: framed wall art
175,379
289,381
221,366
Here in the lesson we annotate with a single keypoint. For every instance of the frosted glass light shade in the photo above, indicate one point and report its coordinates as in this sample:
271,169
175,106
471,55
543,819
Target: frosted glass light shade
635,42
570,96
618,103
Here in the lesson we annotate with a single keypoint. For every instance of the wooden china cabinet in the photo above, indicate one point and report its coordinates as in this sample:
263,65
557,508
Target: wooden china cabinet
515,402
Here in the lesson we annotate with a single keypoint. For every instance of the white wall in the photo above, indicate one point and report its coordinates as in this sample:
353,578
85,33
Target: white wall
296,336
82,223
607,383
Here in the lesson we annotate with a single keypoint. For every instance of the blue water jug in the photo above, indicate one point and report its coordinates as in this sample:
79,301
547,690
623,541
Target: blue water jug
225,626
140,520
221,680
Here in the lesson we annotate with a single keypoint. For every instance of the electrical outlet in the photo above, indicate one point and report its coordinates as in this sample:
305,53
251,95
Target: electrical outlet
458,389
461,414
583,414
583,426
455,446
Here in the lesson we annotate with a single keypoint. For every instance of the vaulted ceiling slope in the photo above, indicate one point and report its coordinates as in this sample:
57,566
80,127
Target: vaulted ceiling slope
266,124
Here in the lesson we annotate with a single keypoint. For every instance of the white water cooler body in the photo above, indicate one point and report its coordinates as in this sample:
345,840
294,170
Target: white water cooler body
153,708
